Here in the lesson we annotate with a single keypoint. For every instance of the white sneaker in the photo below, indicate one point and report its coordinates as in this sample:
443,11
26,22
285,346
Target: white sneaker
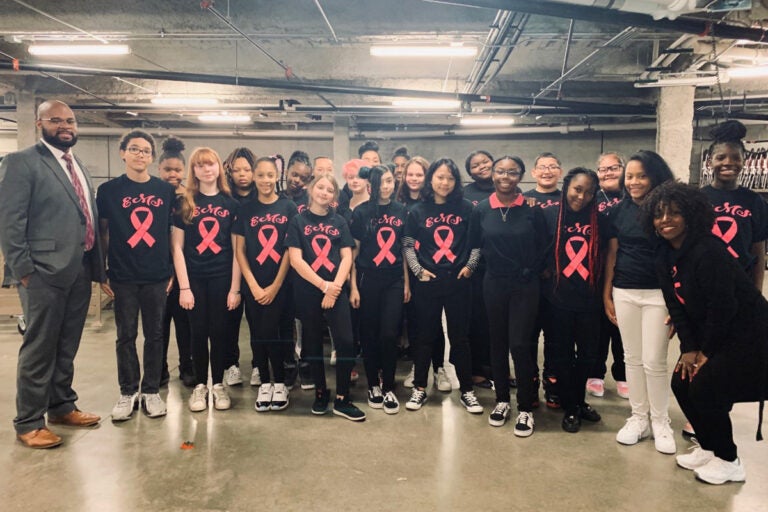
255,377
696,459
375,398
408,382
221,399
499,414
279,397
123,409
718,471
264,398
442,381
232,376
154,406
663,436
333,358
198,401
524,424
391,405
418,398
470,402
635,429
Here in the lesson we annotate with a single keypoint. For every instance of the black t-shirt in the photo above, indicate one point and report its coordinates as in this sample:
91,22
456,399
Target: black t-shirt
379,229
410,203
575,290
475,193
513,247
264,227
320,238
635,268
139,216
441,234
607,200
741,220
301,201
545,200
247,198
207,239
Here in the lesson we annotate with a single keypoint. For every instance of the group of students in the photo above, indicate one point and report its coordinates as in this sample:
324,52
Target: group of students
407,241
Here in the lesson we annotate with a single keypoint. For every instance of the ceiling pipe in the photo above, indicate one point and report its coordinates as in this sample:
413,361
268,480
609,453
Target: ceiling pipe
685,25
327,21
174,76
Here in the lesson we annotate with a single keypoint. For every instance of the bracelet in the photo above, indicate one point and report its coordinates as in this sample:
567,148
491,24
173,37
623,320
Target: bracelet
183,289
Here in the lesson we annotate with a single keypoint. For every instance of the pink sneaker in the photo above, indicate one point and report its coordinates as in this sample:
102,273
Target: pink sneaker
596,387
622,389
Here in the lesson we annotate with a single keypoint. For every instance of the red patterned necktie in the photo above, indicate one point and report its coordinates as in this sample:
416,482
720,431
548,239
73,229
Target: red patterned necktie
89,232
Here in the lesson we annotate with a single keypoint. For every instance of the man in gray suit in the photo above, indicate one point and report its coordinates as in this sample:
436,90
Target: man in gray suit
47,212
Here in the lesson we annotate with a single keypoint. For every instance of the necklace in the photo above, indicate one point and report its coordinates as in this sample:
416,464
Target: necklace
504,214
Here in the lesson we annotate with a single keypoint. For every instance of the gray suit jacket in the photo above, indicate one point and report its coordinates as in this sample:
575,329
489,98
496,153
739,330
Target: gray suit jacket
42,228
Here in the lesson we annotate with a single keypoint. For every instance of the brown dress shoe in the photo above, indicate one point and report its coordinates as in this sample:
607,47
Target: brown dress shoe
41,438
75,419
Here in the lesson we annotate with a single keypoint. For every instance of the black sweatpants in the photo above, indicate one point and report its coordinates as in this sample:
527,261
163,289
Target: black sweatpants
174,311
381,306
267,346
573,338
308,300
208,321
452,294
512,307
412,320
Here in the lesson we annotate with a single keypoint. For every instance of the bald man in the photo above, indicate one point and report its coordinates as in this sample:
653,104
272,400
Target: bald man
52,253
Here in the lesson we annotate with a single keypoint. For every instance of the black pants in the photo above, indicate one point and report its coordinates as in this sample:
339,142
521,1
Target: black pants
478,327
573,337
311,314
232,338
512,307
538,326
288,321
173,311
706,401
381,305
412,321
267,344
452,294
208,321
610,338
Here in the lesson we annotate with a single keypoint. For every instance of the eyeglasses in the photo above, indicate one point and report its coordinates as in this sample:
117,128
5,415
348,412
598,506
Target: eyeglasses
610,168
59,121
511,173
548,168
138,151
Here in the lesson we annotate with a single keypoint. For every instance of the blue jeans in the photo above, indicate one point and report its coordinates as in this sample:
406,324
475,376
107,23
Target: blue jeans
129,300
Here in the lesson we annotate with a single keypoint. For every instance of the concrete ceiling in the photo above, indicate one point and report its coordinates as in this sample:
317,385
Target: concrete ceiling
314,56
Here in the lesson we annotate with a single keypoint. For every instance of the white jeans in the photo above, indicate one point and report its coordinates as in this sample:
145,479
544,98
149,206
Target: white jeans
641,315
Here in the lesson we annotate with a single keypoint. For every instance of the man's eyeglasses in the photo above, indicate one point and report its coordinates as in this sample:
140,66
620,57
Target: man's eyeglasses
510,173
610,168
59,121
548,168
138,151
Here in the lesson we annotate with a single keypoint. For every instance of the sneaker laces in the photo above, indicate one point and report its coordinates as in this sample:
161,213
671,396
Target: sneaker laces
470,398
390,397
125,400
417,395
500,408
524,418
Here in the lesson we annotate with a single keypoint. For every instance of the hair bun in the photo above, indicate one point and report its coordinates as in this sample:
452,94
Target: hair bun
402,151
364,172
368,145
173,145
729,131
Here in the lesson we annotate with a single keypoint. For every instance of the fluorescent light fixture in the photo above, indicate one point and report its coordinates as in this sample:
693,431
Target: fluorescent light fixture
696,81
487,121
423,51
752,72
426,103
51,50
184,101
225,118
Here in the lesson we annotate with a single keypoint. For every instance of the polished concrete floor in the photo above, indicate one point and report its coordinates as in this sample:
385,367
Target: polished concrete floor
439,458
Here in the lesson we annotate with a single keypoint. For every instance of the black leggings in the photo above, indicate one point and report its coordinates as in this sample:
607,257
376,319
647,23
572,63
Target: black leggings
381,305
478,327
267,344
564,329
610,338
311,314
208,320
432,296
173,311
232,337
512,307
412,319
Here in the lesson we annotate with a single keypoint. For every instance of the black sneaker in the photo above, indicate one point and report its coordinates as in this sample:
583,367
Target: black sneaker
571,423
375,398
320,405
470,402
586,412
291,372
499,414
524,424
305,376
418,398
344,407
391,405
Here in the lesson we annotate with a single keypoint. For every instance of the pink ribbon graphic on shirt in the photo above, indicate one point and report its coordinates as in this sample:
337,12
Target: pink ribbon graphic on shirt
443,244
208,235
729,234
322,253
576,258
142,228
385,246
268,244
677,286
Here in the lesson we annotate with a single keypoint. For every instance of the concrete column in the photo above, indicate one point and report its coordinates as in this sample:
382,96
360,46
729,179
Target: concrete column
341,152
26,115
674,129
